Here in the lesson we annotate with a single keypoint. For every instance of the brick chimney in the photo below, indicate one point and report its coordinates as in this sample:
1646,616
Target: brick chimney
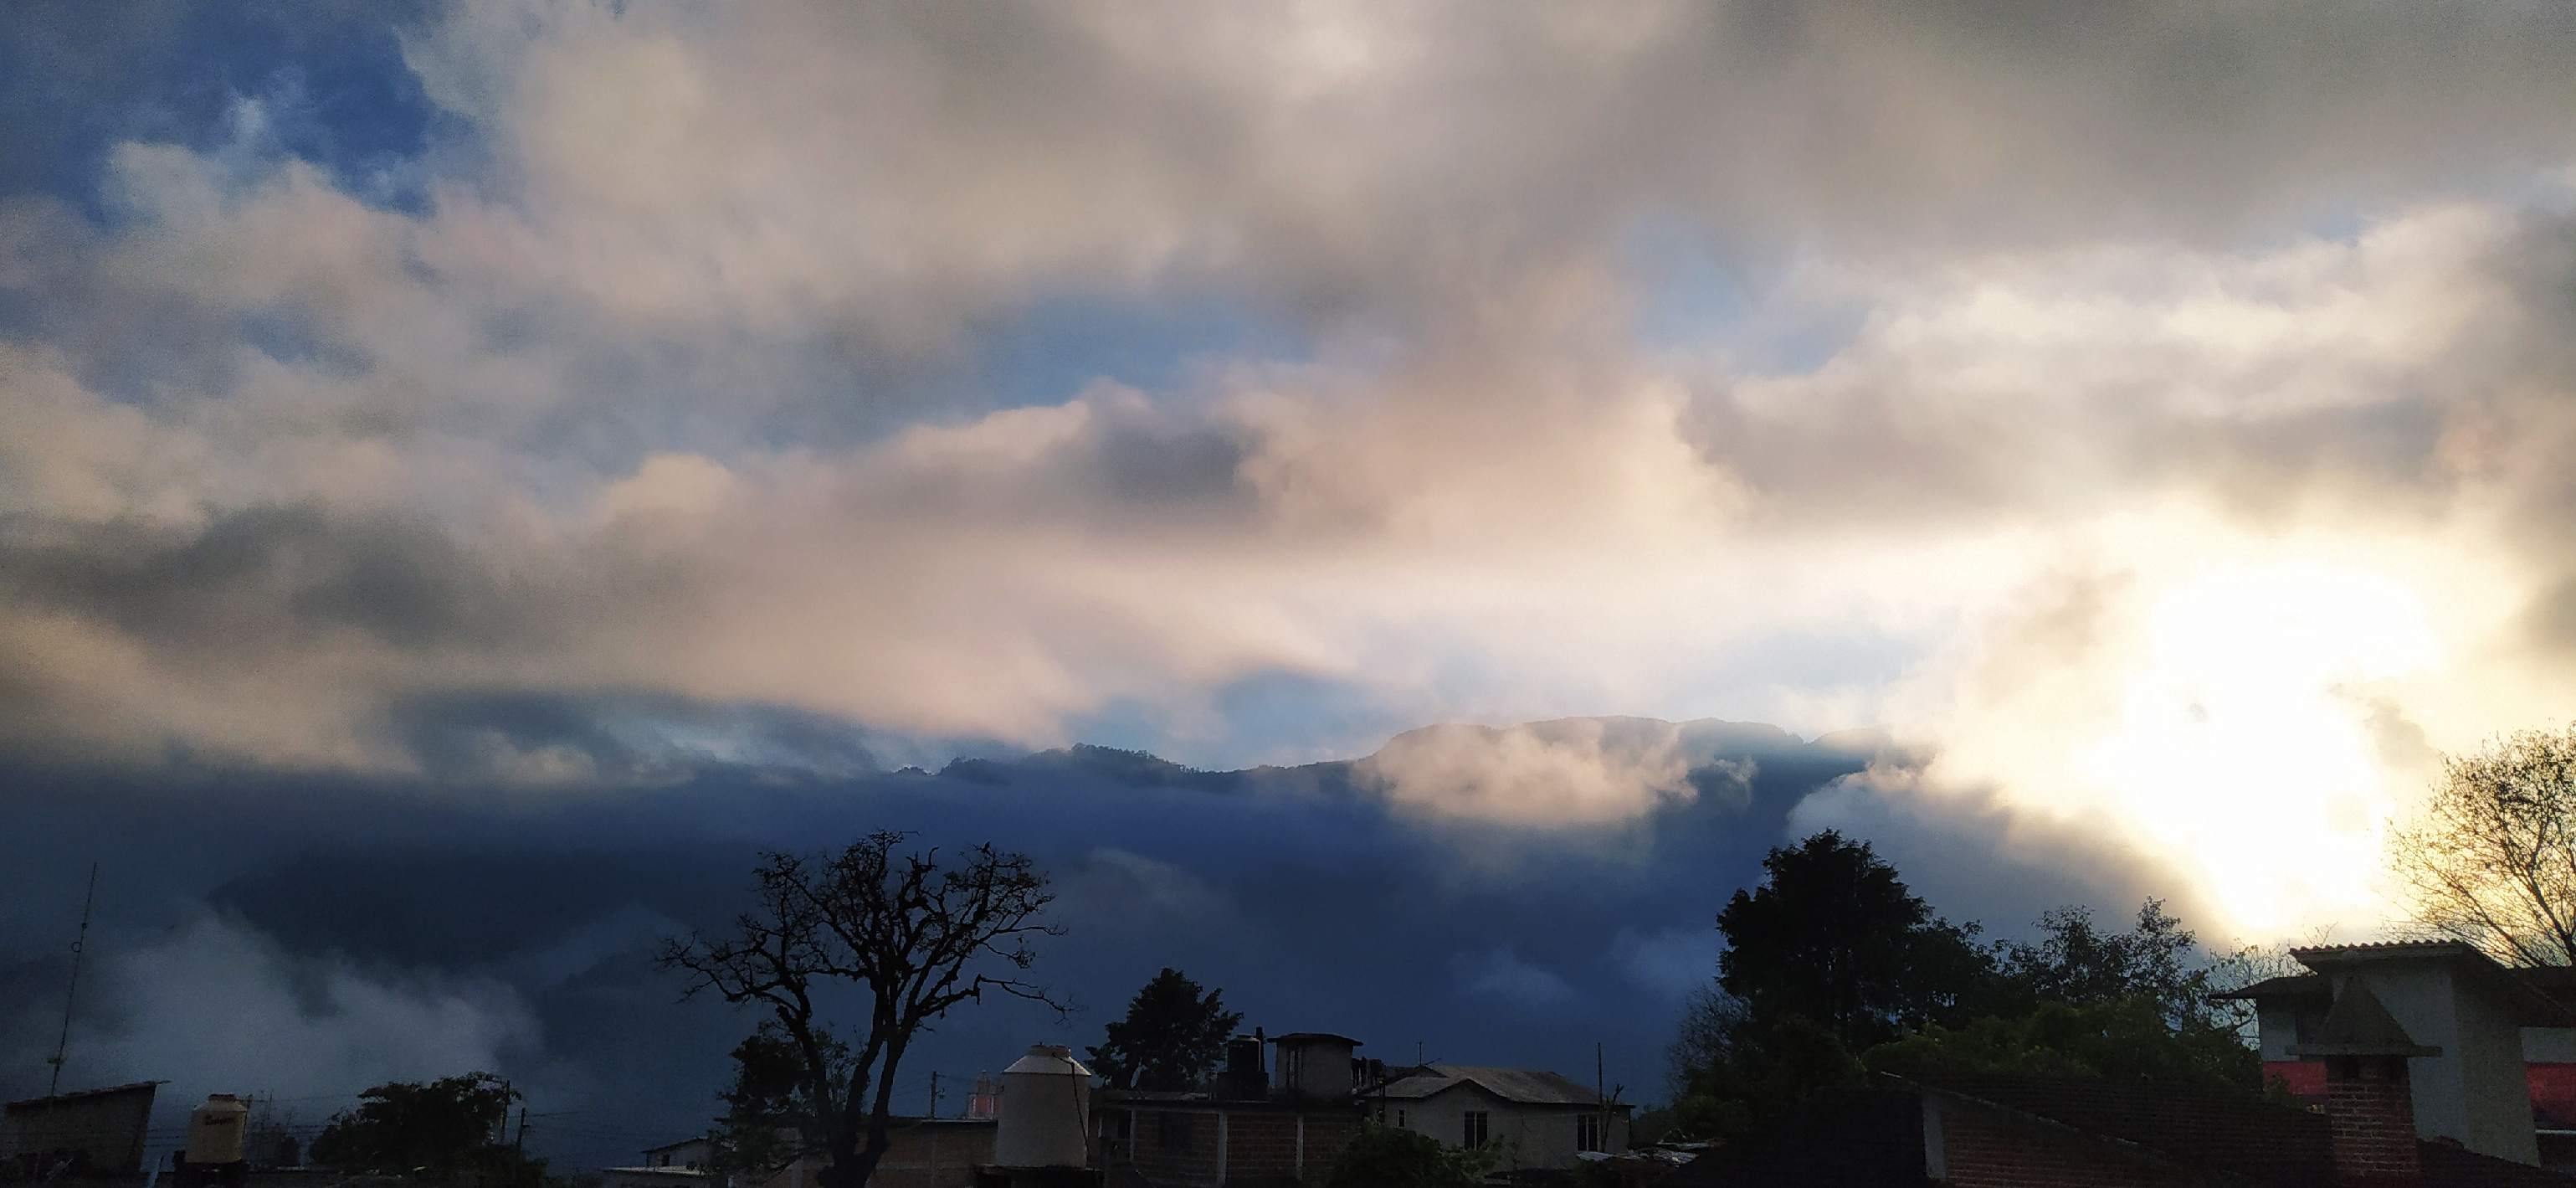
2370,1102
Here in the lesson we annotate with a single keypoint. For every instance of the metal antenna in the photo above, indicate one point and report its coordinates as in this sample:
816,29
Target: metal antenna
63,1042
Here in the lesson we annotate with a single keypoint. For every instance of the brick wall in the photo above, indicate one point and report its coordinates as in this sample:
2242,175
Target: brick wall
2370,1109
1261,1146
1988,1150
936,1155
1327,1135
1192,1164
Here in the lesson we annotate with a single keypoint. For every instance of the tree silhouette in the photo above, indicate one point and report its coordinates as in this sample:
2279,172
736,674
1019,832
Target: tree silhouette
917,935
1834,936
2491,857
1172,1037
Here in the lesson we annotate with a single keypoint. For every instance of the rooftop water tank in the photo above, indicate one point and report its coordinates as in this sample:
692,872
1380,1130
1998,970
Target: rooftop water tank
1046,1111
216,1129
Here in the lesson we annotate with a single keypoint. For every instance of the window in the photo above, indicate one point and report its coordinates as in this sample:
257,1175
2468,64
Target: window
1479,1126
1399,1119
1172,1131
1587,1132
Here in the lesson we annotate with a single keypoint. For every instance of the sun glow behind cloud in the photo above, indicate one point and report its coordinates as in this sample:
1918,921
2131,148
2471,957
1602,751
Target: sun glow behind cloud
2240,751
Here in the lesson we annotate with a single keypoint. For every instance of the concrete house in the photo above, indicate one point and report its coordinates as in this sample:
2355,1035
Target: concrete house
2415,1057
1534,1118
2504,1079
1247,1128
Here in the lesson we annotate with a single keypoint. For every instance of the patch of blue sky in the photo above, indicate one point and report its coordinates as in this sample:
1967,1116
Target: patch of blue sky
1049,349
291,338
1268,717
1698,292
1760,677
329,82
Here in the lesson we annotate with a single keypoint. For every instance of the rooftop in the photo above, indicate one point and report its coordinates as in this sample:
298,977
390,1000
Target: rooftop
2161,1133
78,1094
1301,1037
2541,994
1528,1086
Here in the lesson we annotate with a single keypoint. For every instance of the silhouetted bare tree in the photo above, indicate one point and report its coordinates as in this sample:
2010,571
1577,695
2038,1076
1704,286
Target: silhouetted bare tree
2491,857
918,935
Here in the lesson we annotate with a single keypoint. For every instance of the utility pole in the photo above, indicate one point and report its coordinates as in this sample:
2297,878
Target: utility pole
63,1042
1600,1102
934,1093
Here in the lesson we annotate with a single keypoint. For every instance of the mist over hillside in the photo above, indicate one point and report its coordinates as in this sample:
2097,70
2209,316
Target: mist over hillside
310,936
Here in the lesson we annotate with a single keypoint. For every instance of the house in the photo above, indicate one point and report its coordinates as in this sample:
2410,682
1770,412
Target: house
1533,1117
651,1176
2515,1027
1247,1129
84,1132
920,1153
696,1154
1991,1132
671,1165
2418,1059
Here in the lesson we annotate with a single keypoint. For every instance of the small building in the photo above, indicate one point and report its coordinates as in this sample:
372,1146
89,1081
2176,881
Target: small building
650,1176
696,1154
2413,1058
1249,1129
2011,1131
1531,1117
672,1165
920,1153
84,1132
2505,1080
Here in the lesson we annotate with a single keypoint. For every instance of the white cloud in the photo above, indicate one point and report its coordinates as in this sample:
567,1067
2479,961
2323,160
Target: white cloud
216,1007
1501,975
1671,962
610,413
1585,771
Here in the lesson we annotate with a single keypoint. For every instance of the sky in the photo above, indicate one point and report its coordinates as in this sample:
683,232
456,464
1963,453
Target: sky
463,457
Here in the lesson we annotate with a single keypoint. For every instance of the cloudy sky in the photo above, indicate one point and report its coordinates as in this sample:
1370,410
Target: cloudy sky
503,437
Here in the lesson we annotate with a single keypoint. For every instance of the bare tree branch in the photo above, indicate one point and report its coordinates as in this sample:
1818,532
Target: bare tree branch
2490,858
916,933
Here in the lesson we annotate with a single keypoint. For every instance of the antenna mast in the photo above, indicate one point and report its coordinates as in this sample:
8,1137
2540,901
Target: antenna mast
63,1042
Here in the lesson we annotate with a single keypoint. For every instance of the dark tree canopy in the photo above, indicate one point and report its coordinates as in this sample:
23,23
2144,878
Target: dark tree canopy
448,1129
917,934
2127,1039
1834,936
2157,961
771,1098
1834,968
1171,1039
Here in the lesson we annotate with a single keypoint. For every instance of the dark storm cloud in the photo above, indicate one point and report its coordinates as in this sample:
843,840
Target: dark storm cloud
516,929
433,577
398,580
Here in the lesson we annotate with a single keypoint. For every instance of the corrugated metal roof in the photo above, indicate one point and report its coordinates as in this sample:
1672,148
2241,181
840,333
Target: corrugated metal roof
76,1094
2286,986
1528,1086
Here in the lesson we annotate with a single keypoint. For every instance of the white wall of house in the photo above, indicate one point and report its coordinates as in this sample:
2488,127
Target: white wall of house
2476,1091
1528,1135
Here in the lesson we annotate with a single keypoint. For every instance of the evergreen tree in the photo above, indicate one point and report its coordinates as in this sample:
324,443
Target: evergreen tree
1172,1037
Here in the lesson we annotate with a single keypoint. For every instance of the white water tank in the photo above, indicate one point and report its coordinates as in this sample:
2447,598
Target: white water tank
1046,1111
215,1130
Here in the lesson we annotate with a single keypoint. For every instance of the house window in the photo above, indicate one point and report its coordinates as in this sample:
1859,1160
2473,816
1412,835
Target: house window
1479,1126
1172,1131
1399,1119
1587,1132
